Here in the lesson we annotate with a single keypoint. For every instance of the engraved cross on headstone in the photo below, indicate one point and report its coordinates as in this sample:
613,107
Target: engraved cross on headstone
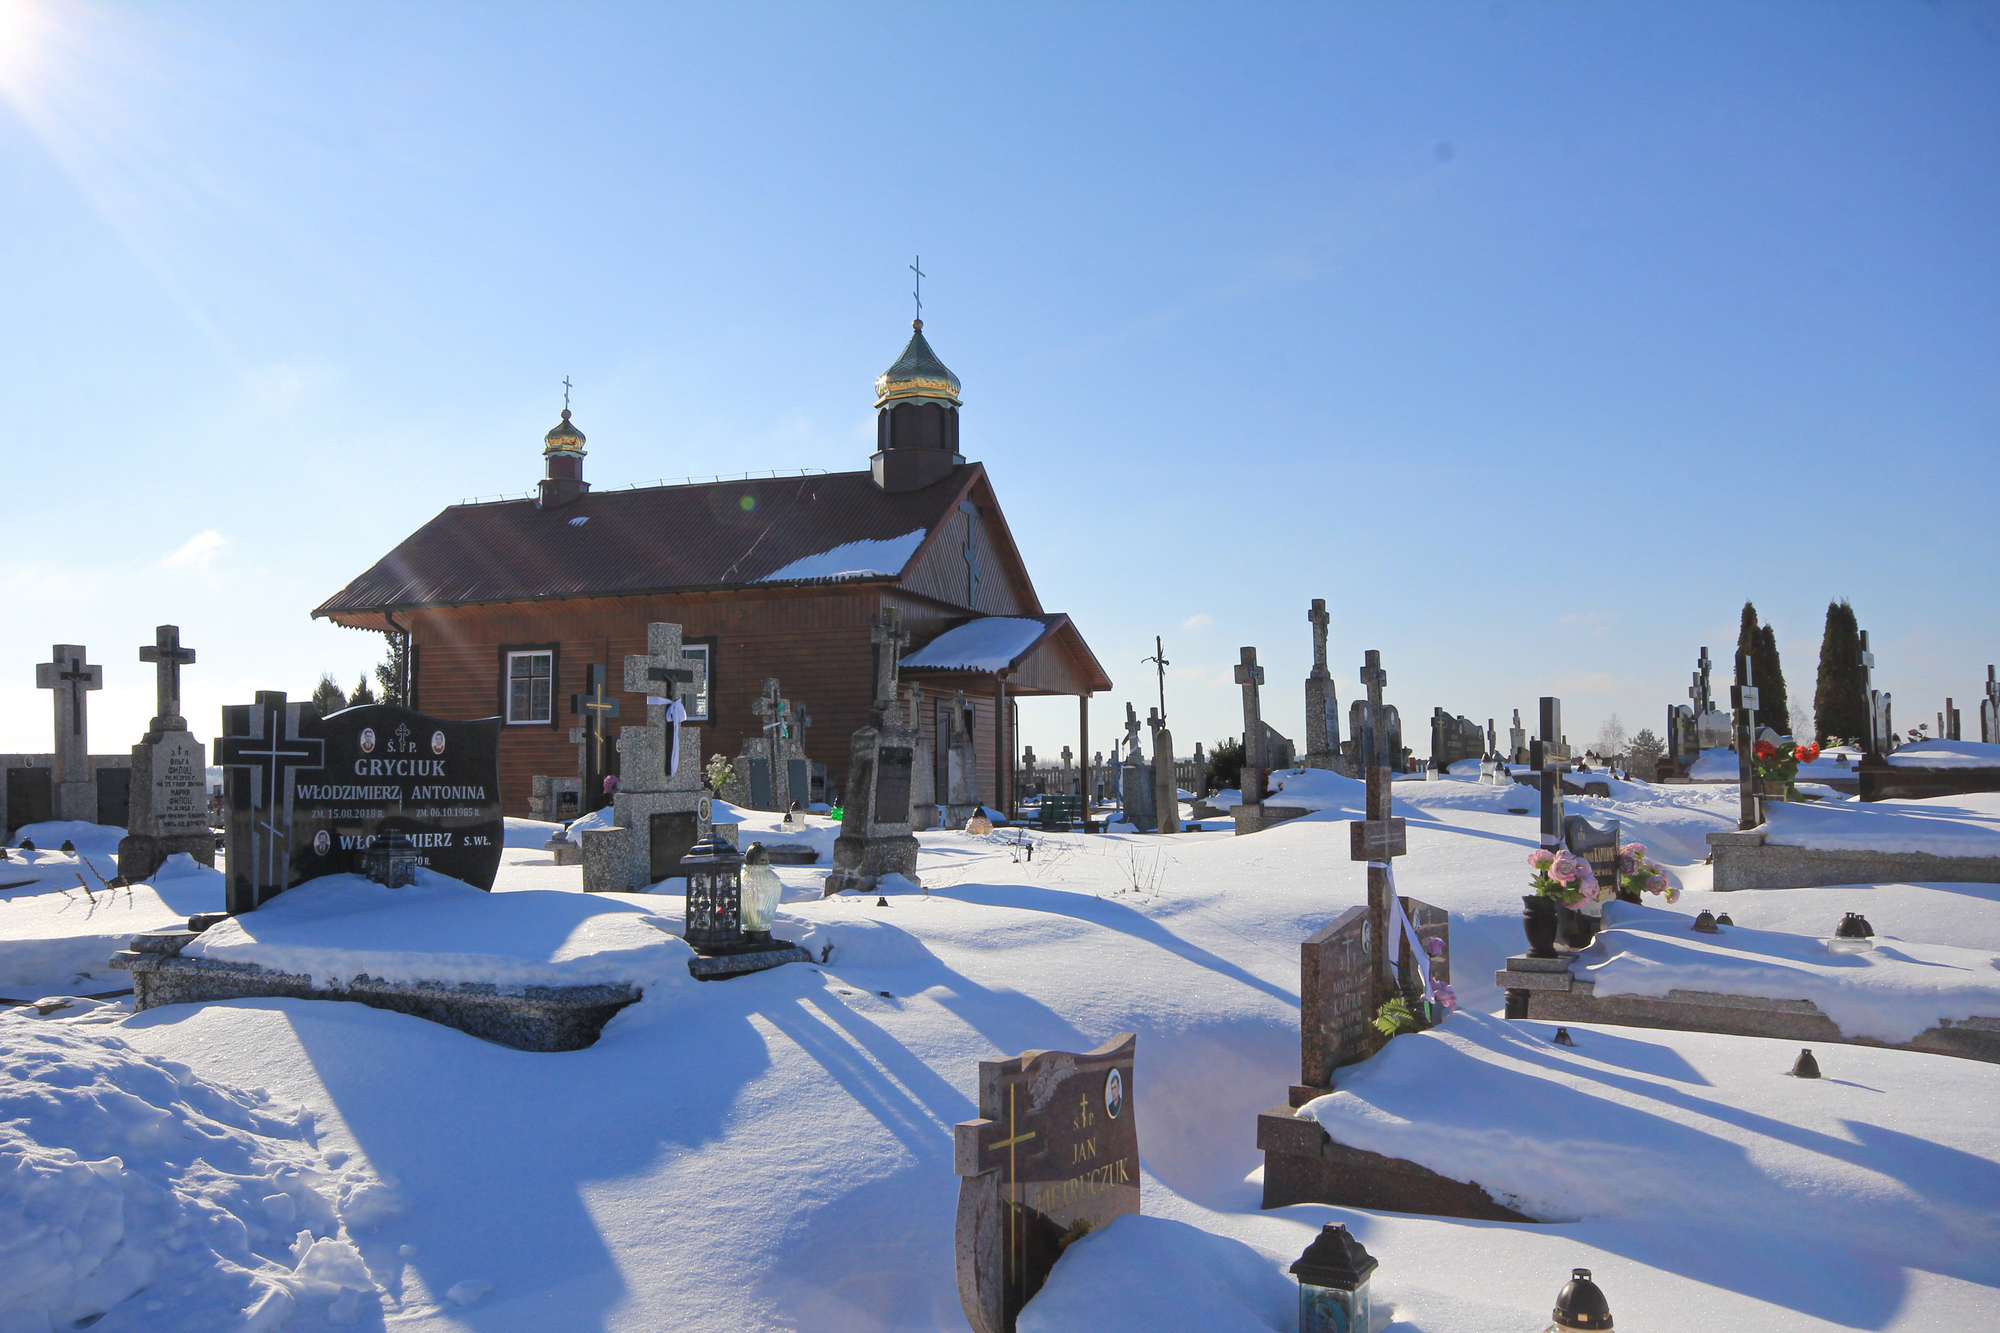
167,657
261,753
1250,676
596,706
70,676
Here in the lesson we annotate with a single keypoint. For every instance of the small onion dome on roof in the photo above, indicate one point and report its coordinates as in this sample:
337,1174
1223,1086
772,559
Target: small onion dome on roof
917,376
564,439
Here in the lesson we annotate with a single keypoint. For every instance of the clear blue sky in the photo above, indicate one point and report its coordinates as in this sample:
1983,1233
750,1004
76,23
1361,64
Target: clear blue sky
1533,338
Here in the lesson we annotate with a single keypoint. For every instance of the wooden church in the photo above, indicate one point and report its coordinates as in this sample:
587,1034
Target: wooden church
507,605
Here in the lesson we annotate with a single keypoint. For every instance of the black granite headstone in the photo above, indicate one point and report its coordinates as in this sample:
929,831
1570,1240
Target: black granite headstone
30,797
385,767
760,784
114,796
892,785
671,835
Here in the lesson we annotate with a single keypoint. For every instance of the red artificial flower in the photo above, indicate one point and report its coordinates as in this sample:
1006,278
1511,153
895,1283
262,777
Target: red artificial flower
1764,750
1808,753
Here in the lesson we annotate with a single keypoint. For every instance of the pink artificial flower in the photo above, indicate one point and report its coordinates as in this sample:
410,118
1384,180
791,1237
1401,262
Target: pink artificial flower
1434,946
1673,893
1635,850
1587,886
1541,858
1657,884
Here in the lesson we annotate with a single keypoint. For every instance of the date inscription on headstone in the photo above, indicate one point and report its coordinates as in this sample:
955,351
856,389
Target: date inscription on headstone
1053,1156
387,767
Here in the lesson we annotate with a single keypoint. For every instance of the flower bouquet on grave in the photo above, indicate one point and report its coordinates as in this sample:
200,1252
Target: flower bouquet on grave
1568,883
1411,1011
1776,764
719,773
1639,874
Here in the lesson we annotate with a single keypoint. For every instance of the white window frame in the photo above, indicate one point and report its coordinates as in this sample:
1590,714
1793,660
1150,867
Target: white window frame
697,705
549,704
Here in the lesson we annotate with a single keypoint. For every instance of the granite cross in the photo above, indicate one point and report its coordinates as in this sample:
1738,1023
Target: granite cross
261,742
1320,620
1249,675
1705,703
70,677
1545,757
1743,699
664,674
1989,711
889,637
168,657
1380,836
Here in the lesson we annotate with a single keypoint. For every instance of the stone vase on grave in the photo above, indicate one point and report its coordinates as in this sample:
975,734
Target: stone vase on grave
1540,923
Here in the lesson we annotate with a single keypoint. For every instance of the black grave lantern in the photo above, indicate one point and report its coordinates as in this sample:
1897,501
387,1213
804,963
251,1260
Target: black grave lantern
1333,1278
391,860
714,871
1580,1304
1852,935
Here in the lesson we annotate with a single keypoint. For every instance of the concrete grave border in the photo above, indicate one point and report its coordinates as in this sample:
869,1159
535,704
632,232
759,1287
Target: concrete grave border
1743,860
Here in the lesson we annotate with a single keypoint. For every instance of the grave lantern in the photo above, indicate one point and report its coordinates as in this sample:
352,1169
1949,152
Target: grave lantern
391,860
1852,935
1333,1278
761,891
714,871
1580,1304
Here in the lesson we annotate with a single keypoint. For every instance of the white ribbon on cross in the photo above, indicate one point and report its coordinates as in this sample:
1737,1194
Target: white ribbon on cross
1407,930
676,714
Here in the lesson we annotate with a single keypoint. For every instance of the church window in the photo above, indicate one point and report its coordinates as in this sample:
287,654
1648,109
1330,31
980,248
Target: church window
697,704
529,686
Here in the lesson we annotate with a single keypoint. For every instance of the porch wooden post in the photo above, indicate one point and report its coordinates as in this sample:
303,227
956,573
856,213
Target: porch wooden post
1083,754
1003,748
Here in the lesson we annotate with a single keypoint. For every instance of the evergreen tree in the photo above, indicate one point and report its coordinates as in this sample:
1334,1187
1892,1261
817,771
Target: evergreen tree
389,673
361,693
327,697
1841,702
1776,712
1647,745
1225,765
1746,641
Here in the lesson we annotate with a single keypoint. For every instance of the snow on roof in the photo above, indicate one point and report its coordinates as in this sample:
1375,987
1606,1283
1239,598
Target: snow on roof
853,560
992,644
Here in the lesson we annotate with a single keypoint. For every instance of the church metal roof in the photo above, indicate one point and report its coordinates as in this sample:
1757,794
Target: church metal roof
710,535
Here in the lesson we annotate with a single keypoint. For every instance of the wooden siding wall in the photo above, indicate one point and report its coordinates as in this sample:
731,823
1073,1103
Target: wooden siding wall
982,733
816,644
941,572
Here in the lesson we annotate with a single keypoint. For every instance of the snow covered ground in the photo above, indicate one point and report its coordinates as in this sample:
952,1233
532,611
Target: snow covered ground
56,933
1967,825
775,1151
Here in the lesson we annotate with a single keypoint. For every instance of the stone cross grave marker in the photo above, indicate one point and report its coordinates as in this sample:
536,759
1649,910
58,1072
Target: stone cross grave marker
876,837
262,749
774,791
1132,750
1250,676
1492,738
1068,771
1545,756
1053,1156
168,813
660,810
1322,707
1378,838
1136,790
1517,740
167,657
69,674
596,706
961,796
1989,710
1743,699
